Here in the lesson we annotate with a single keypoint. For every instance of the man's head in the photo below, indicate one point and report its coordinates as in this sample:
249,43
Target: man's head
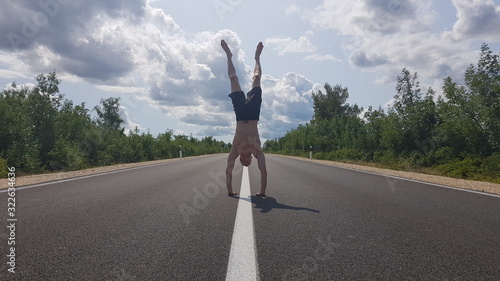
246,158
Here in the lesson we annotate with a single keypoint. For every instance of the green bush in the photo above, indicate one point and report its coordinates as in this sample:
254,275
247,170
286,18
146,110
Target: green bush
445,155
468,168
387,158
491,167
347,154
66,156
319,155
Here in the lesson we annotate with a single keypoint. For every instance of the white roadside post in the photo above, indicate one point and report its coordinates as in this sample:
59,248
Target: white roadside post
311,152
180,151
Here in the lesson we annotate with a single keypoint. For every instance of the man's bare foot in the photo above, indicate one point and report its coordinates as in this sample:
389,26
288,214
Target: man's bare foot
225,47
260,194
232,194
260,46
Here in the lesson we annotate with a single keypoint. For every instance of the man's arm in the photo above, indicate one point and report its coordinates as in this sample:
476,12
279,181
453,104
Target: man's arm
261,158
229,171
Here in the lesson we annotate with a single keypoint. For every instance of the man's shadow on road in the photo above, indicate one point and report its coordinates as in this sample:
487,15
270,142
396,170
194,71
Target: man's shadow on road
267,204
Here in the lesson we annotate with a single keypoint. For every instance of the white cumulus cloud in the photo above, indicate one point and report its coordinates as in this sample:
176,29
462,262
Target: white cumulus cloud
288,45
477,19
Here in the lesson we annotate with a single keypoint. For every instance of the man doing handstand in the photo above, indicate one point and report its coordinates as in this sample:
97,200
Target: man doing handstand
246,140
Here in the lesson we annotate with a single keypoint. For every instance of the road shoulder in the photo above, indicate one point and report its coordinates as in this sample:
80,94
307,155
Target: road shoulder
49,177
487,187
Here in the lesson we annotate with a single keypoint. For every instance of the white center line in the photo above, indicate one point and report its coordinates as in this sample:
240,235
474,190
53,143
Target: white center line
242,258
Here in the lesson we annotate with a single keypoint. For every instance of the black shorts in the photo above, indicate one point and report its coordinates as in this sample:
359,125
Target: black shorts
247,108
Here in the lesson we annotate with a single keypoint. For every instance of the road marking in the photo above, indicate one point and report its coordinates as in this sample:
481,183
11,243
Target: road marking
242,258
85,177
422,182
403,179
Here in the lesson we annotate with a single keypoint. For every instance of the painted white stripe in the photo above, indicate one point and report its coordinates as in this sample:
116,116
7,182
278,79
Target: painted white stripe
404,179
242,258
417,181
85,177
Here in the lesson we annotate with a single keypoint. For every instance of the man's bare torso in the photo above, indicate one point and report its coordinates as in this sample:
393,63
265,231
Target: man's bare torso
246,137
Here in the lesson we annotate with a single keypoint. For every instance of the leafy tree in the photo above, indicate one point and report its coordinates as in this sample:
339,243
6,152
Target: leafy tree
483,82
70,150
374,128
43,103
109,114
471,113
17,141
414,118
333,103
48,85
14,119
73,121
407,93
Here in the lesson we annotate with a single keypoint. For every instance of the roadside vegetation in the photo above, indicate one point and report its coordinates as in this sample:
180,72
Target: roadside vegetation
43,132
456,134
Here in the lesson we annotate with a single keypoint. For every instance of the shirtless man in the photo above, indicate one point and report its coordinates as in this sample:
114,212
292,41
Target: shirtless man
246,140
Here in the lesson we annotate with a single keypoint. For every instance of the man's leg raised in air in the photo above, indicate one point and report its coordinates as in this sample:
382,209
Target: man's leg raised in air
231,71
257,73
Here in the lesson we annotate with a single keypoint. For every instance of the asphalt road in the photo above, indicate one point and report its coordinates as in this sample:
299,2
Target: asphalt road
174,222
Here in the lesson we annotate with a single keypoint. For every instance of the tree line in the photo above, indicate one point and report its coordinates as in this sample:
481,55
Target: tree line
454,134
41,131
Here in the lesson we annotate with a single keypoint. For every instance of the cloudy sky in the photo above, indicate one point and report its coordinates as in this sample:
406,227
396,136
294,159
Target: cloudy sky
163,58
